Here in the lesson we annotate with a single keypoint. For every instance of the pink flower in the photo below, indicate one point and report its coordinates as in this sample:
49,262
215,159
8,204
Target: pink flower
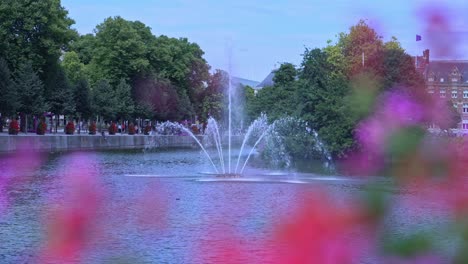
73,221
371,133
321,231
400,110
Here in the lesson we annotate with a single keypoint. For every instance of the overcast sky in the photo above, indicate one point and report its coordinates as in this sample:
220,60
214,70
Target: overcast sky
257,34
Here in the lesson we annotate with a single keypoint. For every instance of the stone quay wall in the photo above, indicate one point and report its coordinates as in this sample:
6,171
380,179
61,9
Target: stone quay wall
58,143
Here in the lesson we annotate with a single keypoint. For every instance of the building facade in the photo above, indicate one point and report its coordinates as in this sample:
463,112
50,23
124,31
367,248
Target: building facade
448,79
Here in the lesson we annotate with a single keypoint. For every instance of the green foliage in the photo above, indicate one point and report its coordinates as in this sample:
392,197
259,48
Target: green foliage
212,106
399,67
375,198
321,102
9,97
73,67
285,75
104,100
84,46
333,90
180,61
34,31
364,89
60,94
250,99
404,143
409,246
30,91
125,106
120,51
83,99
360,40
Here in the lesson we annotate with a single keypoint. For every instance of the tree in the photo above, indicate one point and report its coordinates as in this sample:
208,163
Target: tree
321,92
181,62
84,47
120,51
104,100
60,94
125,105
285,75
73,67
30,92
249,94
399,67
9,97
363,49
275,101
83,99
159,95
33,31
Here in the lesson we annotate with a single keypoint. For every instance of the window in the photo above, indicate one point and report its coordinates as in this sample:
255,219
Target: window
442,80
431,91
442,93
455,106
454,80
465,124
454,94
465,108
431,79
465,94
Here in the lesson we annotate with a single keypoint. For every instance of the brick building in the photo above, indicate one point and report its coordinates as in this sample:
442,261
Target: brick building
447,79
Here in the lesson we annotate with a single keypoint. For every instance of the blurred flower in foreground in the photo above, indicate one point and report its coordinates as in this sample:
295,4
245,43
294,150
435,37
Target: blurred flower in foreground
322,231
73,222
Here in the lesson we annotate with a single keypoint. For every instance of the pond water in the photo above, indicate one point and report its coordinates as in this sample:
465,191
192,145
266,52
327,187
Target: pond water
200,211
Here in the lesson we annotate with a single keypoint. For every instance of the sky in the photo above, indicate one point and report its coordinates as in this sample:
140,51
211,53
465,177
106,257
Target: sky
252,37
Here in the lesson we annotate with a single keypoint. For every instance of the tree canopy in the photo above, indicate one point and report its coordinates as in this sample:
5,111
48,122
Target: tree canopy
335,87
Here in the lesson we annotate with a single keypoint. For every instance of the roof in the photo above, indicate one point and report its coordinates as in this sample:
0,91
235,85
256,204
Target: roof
268,81
244,82
444,68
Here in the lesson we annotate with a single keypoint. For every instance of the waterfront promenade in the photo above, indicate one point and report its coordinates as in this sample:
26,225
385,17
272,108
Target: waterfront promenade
84,142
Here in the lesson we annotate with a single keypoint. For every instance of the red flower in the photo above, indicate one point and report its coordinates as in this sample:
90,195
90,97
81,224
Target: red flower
321,231
13,129
92,128
70,128
76,220
112,129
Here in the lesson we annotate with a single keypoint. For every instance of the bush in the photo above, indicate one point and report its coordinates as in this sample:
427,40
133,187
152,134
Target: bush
92,128
131,129
147,129
13,128
70,128
41,128
112,129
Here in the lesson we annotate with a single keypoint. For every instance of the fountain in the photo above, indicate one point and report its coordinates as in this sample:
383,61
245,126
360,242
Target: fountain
257,132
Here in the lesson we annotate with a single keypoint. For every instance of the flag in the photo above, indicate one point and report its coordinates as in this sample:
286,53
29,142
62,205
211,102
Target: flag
418,38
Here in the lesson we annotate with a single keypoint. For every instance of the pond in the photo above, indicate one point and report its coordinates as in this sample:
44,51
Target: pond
164,207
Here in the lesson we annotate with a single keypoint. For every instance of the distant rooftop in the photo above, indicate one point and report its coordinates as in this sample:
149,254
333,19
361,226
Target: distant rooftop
268,81
244,82
444,68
